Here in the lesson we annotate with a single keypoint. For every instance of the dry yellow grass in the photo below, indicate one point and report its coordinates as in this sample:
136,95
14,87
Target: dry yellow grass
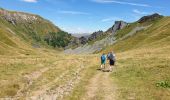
25,76
142,68
139,73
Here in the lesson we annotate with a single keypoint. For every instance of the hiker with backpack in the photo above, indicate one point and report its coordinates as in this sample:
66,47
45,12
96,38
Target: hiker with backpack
112,59
103,61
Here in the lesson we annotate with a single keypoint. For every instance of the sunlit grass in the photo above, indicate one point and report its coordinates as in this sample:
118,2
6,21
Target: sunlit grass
139,72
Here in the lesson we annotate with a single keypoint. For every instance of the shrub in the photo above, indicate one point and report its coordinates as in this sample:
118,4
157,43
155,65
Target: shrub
164,84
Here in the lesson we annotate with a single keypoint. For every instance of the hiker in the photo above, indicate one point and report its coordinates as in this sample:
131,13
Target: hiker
103,61
112,59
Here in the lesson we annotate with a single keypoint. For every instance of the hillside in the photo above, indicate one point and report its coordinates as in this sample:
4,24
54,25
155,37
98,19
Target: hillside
155,35
21,30
118,33
32,67
96,41
142,69
142,66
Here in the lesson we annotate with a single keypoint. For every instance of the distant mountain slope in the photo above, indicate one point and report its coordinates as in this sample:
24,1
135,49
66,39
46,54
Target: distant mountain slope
80,35
132,35
157,35
94,37
18,28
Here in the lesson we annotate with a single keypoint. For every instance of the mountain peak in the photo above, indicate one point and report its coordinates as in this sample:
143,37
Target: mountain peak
150,18
117,26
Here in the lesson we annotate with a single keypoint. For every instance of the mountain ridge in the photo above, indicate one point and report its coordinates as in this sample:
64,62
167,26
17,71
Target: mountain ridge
33,30
30,30
128,29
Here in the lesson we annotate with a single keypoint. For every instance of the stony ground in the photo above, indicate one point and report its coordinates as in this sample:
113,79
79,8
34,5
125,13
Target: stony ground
56,79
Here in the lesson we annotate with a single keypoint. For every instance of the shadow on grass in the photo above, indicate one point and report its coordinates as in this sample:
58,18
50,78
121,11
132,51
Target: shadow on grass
103,70
106,70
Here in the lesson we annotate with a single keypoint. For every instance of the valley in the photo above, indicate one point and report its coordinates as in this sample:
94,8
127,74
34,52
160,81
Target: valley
46,63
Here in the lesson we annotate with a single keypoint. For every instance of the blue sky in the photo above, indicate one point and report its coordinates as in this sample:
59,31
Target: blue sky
86,16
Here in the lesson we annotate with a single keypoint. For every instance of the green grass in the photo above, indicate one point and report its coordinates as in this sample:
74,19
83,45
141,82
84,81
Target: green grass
97,39
143,62
14,69
120,33
151,37
163,84
31,32
11,76
55,70
4,37
139,77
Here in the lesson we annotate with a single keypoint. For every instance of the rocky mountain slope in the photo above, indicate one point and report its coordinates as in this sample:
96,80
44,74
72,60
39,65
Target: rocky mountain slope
96,36
150,18
118,32
19,28
117,26
155,35
21,31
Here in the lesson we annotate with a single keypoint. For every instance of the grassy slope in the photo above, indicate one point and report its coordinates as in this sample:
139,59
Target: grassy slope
155,36
11,43
28,31
143,63
19,38
16,72
139,71
121,33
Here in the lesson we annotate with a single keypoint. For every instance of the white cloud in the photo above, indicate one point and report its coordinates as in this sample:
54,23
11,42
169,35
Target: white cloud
31,1
121,2
111,19
73,12
136,11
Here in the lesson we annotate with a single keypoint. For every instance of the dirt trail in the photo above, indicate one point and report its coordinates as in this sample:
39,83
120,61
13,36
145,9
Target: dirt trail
47,91
30,78
100,87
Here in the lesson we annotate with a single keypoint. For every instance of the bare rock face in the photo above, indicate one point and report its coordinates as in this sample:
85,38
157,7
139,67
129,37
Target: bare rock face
149,18
95,35
83,40
75,42
117,26
17,17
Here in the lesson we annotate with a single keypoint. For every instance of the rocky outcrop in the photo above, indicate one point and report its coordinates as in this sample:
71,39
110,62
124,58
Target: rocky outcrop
150,18
76,42
95,35
99,45
117,26
109,37
83,40
98,34
33,28
106,38
17,17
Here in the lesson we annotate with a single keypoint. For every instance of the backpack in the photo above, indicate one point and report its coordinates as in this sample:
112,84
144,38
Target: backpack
112,57
103,57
